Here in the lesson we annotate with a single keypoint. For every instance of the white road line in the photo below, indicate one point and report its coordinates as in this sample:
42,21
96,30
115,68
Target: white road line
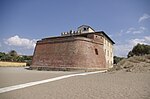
20,86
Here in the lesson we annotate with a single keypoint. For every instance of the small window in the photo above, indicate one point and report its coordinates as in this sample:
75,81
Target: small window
96,51
84,29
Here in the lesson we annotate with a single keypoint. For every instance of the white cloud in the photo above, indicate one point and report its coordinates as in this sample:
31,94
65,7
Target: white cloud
123,49
142,28
135,30
145,40
144,17
130,30
21,42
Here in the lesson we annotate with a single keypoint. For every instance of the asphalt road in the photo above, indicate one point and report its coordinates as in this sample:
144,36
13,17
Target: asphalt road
94,86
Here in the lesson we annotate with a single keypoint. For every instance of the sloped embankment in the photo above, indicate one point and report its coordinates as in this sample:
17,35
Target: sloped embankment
133,64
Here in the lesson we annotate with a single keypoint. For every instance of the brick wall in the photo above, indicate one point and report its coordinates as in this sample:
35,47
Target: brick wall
70,52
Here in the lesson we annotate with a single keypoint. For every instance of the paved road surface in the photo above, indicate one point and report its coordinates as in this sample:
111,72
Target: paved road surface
94,86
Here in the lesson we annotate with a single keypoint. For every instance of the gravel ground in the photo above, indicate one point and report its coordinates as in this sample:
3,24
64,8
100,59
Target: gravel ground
119,85
18,75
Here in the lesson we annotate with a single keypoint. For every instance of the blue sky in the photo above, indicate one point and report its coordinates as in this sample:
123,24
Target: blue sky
23,22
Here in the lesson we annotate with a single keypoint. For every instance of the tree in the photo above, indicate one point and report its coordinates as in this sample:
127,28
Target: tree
1,55
139,50
13,53
130,54
20,59
6,57
147,49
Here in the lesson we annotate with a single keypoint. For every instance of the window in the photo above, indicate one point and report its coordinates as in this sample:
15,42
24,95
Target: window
96,51
84,29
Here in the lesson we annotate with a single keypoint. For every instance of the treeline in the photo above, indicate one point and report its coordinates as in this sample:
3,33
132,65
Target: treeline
138,50
13,56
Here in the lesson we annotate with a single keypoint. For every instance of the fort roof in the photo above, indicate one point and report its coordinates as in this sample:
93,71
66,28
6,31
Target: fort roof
101,33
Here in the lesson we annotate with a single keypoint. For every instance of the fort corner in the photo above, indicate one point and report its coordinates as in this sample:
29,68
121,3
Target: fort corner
81,49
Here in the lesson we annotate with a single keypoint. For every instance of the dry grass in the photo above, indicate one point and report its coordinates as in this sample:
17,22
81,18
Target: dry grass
12,64
134,64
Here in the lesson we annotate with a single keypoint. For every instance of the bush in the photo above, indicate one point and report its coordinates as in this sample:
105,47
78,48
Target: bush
117,59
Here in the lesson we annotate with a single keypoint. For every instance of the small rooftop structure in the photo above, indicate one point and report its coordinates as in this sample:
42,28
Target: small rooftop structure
80,30
85,29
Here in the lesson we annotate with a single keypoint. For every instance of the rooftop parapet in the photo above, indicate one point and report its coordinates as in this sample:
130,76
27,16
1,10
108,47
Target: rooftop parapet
80,30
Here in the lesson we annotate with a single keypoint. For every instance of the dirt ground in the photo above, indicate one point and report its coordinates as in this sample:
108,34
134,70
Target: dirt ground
113,85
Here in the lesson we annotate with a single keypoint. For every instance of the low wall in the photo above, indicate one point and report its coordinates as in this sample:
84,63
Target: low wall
12,64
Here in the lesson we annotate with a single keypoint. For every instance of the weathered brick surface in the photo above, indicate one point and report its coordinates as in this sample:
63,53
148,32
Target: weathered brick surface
70,52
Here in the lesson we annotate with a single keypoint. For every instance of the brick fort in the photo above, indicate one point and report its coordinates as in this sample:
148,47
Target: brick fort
81,49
